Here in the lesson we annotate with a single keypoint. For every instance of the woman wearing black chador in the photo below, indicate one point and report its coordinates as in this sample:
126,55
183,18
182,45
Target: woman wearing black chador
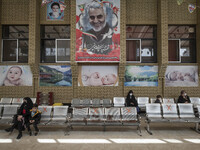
131,101
22,117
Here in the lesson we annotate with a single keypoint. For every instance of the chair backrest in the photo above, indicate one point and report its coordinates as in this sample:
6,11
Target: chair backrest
195,100
17,101
46,111
153,110
119,101
112,113
6,101
96,113
60,111
186,110
1,109
95,102
80,112
143,100
106,102
76,102
168,100
129,113
152,100
34,100
10,110
170,110
198,109
86,102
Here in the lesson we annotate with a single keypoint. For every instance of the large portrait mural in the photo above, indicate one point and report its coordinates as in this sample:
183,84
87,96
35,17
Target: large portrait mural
15,76
141,76
55,9
55,75
186,76
97,30
98,76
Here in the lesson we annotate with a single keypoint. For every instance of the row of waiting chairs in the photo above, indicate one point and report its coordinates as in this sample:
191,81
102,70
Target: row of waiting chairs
14,101
50,114
172,113
120,102
91,102
112,116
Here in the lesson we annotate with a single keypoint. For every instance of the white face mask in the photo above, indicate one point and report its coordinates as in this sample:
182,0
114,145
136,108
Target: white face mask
185,94
131,94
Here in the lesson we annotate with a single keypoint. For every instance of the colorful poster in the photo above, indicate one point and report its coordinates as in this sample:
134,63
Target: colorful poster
16,76
141,76
55,75
55,10
186,76
97,30
98,76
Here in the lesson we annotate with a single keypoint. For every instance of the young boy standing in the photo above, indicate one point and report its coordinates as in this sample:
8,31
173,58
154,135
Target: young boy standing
35,116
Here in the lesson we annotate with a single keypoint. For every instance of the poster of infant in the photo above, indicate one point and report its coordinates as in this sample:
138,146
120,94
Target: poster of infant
16,76
98,76
186,76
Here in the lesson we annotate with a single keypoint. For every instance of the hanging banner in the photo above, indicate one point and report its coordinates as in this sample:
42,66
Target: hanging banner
98,76
16,76
51,75
55,10
97,30
141,76
183,76
179,2
191,8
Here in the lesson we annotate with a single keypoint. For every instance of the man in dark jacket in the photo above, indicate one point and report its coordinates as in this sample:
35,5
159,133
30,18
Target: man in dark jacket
34,118
183,98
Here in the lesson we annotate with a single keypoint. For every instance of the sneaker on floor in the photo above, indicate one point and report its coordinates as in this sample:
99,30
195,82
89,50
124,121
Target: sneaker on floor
19,136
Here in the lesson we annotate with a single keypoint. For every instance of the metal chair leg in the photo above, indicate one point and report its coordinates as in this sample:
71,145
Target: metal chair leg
148,129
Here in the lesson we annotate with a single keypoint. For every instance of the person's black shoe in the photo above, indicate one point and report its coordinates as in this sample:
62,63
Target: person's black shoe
9,130
19,136
36,133
30,133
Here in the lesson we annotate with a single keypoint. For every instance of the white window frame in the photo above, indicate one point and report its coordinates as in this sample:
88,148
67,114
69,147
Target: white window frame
140,51
56,51
16,50
179,40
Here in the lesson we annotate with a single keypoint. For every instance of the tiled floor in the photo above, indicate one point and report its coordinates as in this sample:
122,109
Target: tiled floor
165,136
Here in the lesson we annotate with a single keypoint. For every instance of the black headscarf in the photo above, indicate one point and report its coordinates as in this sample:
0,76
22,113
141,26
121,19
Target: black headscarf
26,105
131,99
29,103
128,95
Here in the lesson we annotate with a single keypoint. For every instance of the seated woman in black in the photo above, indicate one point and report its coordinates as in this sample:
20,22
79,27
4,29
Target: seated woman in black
183,98
131,101
22,117
158,99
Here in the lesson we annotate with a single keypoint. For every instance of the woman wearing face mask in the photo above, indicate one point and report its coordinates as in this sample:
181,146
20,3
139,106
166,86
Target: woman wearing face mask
158,99
131,101
22,117
183,98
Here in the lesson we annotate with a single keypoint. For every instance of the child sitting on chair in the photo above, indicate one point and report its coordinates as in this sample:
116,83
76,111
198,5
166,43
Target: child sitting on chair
35,116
